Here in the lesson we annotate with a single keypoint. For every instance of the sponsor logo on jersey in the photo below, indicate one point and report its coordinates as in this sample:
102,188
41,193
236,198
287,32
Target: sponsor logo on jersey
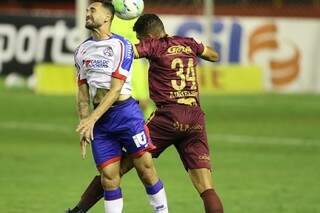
108,51
204,157
177,49
95,63
186,127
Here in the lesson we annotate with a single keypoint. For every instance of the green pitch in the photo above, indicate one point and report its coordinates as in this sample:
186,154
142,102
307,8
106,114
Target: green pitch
265,150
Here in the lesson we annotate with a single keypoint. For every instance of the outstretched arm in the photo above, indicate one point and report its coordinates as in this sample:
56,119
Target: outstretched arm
209,54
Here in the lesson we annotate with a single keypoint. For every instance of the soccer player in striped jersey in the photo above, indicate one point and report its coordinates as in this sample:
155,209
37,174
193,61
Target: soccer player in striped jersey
178,120
103,62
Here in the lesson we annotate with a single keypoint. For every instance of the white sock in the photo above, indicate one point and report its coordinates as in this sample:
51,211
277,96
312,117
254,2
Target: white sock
113,201
113,206
157,197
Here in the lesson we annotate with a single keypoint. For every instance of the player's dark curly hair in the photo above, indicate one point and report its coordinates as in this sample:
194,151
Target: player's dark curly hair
148,23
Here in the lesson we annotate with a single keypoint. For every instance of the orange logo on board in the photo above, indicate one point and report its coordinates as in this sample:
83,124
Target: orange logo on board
283,71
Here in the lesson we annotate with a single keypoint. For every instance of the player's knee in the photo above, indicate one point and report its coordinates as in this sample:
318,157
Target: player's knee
147,176
201,187
143,163
201,179
110,181
146,171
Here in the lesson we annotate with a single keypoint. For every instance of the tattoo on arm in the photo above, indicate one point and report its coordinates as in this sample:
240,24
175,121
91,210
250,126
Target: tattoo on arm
83,101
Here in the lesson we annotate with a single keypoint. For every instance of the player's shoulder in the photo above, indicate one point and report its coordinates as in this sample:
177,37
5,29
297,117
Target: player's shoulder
154,42
185,39
121,39
81,49
86,42
83,44
124,43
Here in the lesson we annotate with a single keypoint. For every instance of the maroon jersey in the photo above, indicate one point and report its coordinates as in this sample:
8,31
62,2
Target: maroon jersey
172,72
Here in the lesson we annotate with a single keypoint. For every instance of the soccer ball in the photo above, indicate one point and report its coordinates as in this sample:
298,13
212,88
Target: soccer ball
128,9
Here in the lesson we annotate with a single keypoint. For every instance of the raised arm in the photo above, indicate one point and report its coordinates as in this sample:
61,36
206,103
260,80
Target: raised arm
209,54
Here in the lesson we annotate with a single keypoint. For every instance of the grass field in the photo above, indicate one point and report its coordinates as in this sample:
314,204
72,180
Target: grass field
265,150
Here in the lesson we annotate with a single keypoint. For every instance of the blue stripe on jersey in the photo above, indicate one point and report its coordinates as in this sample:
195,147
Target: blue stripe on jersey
128,52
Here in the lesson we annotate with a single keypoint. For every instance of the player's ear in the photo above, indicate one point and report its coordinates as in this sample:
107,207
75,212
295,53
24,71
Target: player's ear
107,18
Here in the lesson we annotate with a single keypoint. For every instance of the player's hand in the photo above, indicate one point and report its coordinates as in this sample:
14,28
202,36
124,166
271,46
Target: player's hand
85,128
83,145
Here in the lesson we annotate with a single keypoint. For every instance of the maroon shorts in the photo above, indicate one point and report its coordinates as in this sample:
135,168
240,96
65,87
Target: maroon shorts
184,127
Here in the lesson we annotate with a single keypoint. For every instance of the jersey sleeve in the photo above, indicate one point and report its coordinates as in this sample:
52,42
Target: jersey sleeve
123,60
81,76
197,46
145,48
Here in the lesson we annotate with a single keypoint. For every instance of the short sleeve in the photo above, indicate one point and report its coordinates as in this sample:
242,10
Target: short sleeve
81,76
123,60
197,46
144,48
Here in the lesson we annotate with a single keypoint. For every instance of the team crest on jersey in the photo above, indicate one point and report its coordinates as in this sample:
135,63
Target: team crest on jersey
108,51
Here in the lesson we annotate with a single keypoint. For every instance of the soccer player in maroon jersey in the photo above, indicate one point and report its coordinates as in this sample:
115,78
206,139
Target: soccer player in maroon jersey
178,120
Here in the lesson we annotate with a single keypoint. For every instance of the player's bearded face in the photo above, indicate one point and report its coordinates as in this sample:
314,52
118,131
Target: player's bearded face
93,22
94,18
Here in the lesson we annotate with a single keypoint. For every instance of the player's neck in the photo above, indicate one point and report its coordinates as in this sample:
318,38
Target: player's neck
101,33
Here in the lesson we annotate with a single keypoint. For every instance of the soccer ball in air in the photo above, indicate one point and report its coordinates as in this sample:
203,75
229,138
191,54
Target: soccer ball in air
128,9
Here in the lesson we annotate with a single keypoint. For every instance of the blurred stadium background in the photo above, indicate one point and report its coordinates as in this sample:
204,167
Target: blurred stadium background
261,101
